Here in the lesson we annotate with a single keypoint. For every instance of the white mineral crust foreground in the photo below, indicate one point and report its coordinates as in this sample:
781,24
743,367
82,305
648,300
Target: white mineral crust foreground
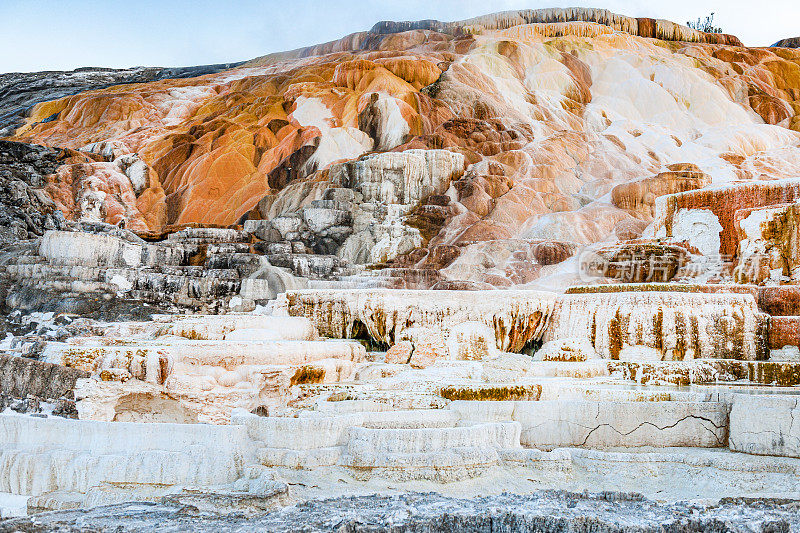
239,407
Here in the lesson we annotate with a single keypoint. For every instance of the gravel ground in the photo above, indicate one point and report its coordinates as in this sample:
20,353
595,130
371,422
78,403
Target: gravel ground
545,511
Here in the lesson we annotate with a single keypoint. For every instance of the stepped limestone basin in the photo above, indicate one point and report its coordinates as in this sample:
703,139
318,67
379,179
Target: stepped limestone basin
517,317
658,324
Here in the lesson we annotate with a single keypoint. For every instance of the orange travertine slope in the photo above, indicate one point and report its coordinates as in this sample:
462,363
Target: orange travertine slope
548,110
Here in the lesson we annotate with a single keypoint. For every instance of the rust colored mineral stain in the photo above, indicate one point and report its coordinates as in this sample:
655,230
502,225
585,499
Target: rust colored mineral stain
308,374
488,393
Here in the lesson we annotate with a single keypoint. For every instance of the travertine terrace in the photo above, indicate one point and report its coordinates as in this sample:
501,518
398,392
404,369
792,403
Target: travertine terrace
544,250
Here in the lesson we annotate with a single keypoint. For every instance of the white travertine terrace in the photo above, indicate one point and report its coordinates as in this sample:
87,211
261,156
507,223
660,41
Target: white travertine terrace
517,317
680,325
508,19
200,368
226,353
464,440
567,349
45,455
103,250
403,178
766,425
229,327
328,409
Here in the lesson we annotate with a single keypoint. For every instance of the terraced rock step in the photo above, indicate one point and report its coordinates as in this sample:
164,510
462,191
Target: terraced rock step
766,424
468,439
217,327
681,325
374,441
200,368
224,353
517,318
780,373
398,444
197,268
41,455
549,424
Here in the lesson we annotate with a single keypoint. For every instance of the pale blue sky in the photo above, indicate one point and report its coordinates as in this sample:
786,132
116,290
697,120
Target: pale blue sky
65,34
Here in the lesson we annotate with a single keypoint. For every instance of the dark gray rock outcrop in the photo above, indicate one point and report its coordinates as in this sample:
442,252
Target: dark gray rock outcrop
21,377
26,210
791,42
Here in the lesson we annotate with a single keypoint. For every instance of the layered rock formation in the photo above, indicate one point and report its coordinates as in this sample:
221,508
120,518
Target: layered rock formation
533,154
663,325
540,249
385,315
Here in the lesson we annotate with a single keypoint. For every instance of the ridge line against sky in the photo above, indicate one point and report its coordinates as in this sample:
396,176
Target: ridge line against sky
64,35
